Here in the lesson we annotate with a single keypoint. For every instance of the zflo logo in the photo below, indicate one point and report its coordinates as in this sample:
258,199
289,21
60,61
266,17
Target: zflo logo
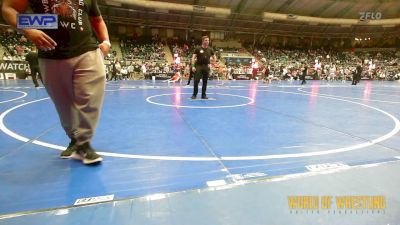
370,15
37,21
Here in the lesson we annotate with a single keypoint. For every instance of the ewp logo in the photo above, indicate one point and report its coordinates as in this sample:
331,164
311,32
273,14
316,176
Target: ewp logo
37,21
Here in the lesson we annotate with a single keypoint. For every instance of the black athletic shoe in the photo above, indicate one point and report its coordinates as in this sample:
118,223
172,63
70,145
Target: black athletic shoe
204,97
193,97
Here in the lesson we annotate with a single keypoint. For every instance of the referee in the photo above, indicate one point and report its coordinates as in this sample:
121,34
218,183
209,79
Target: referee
32,58
201,66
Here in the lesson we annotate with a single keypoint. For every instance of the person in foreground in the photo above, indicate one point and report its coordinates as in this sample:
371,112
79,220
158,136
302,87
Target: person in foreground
72,66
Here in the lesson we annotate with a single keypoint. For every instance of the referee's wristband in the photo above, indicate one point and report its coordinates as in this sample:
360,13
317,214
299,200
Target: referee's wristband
107,42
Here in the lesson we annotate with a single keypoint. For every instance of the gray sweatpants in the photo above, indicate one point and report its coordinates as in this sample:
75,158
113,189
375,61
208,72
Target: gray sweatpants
76,86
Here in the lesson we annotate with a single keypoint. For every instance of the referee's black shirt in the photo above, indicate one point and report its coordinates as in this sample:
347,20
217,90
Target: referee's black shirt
203,55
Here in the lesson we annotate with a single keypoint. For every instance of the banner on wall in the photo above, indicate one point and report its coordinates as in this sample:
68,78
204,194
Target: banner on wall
13,67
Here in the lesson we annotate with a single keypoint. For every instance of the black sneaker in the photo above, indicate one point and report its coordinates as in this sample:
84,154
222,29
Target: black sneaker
88,153
70,152
193,97
204,97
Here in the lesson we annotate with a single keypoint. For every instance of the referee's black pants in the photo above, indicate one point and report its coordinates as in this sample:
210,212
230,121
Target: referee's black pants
202,72
355,79
34,71
190,76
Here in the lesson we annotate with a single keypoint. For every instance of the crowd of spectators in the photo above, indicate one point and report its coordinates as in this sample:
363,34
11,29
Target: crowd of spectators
137,70
15,45
143,56
135,49
329,65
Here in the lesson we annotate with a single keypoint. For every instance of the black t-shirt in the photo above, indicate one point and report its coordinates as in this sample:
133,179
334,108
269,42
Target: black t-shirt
74,35
203,55
137,68
305,71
